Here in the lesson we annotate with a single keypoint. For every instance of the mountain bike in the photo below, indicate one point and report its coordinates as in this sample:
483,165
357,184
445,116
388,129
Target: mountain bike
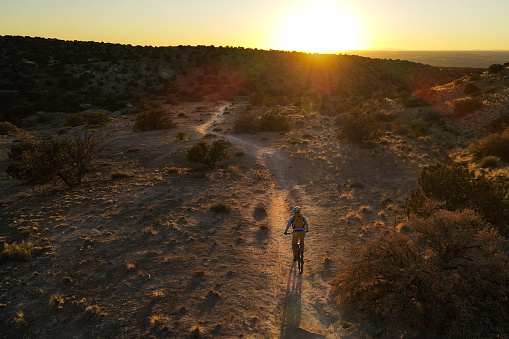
300,257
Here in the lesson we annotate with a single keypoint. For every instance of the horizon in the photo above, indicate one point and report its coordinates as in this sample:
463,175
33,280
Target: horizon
368,49
322,26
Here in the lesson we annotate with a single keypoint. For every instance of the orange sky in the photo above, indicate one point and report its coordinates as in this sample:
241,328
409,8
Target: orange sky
316,26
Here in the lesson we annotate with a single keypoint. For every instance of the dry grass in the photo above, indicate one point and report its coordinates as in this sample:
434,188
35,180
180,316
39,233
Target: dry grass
15,251
56,300
19,319
150,230
220,207
157,319
159,293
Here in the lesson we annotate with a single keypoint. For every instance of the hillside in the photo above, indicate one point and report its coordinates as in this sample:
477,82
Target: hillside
150,246
68,76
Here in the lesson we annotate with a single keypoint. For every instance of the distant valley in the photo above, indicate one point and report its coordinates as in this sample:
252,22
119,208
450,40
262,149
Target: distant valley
473,59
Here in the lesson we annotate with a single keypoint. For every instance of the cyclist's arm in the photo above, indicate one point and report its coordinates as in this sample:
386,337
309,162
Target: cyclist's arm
306,226
289,224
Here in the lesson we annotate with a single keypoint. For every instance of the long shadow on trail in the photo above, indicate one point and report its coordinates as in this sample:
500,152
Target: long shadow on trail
290,323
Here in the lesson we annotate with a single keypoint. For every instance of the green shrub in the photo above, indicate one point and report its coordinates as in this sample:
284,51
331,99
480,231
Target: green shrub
417,204
500,123
463,106
474,77
7,128
447,184
471,88
420,127
205,155
457,188
88,118
96,118
154,117
34,160
311,103
444,278
74,120
359,128
181,136
495,68
274,122
414,102
490,162
246,123
258,99
496,144
427,95
15,251
39,161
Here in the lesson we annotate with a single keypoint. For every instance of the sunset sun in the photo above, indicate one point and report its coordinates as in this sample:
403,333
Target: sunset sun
318,27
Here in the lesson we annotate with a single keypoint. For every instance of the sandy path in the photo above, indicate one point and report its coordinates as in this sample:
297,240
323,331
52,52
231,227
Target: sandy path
300,298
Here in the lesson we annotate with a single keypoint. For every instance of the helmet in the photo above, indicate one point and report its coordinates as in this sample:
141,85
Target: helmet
296,209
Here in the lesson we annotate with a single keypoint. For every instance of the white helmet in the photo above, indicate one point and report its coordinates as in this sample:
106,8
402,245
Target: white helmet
296,209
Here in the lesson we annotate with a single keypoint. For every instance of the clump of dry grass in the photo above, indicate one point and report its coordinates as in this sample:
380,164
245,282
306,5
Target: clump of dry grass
156,319
15,251
365,209
220,207
56,300
94,310
19,319
150,230
159,293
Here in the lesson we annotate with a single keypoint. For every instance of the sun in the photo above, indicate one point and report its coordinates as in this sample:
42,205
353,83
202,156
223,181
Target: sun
318,27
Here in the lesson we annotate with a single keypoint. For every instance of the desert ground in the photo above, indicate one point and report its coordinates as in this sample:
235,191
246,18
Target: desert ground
137,251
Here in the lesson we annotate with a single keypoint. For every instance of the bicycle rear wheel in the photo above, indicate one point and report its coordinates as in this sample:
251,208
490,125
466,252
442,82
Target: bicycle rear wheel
300,260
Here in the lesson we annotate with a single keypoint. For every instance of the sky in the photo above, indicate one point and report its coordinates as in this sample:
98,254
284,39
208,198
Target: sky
306,25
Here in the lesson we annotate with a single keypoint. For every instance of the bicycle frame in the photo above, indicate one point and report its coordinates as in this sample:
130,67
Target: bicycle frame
300,257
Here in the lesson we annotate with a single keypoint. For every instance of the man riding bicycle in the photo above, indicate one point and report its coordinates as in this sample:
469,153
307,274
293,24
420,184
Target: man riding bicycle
300,227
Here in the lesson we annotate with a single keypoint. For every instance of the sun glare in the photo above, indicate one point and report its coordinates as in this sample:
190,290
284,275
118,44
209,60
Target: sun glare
318,27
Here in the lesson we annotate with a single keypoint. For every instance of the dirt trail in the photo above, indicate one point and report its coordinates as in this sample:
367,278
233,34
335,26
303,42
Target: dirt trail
299,311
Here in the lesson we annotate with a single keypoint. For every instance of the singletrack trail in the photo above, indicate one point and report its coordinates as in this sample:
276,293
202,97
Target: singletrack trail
301,309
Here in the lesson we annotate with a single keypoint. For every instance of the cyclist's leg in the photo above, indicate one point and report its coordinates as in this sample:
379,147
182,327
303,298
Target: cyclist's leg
302,234
295,240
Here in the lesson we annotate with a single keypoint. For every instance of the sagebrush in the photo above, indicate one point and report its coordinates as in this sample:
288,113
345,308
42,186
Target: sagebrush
359,128
445,277
456,188
38,161
153,117
209,156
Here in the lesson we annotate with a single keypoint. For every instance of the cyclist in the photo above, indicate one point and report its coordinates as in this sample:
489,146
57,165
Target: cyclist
300,227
